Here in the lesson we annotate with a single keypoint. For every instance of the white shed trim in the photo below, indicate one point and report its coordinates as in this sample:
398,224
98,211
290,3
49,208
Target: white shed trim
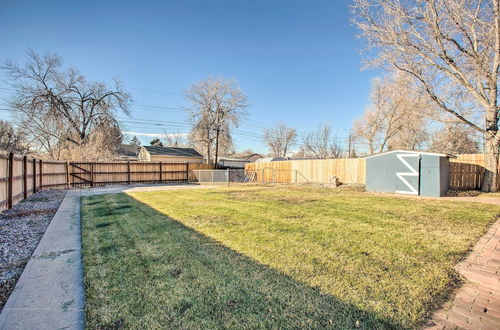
409,152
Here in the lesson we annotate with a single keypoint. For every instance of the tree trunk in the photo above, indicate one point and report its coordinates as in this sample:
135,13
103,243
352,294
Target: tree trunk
490,183
209,155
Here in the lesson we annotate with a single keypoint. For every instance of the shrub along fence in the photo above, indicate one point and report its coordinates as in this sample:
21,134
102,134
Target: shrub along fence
22,176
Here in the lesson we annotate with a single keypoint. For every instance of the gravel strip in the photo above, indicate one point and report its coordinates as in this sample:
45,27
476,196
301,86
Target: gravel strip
21,228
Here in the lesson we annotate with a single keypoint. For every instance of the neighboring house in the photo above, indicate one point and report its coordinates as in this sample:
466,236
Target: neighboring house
169,155
127,152
237,161
270,159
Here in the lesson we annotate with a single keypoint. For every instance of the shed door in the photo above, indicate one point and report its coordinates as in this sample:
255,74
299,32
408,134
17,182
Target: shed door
408,174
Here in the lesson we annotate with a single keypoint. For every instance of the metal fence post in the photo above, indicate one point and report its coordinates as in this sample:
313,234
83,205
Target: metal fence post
10,179
161,174
67,174
34,175
41,174
128,172
92,174
25,177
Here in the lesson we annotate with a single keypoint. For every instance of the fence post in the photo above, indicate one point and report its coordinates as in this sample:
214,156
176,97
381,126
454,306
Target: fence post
92,174
25,177
67,174
10,179
161,174
41,174
34,175
128,172
227,177
187,172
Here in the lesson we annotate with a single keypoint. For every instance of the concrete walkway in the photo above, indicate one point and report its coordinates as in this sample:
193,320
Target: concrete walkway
49,293
476,304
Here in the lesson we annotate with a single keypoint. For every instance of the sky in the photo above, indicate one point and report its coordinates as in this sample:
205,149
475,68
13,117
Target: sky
298,62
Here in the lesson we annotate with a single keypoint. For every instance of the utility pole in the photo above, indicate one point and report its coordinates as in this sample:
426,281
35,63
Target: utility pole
349,147
218,122
217,132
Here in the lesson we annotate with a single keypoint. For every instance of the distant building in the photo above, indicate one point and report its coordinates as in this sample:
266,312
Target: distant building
127,152
237,161
271,159
169,155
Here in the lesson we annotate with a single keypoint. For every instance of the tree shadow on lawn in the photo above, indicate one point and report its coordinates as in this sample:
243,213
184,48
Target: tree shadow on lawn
146,270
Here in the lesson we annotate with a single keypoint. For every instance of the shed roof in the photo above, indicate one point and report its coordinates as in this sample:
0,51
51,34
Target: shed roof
172,151
409,152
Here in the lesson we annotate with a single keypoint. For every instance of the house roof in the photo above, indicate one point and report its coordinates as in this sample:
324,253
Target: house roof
270,159
409,152
245,156
241,157
129,150
172,151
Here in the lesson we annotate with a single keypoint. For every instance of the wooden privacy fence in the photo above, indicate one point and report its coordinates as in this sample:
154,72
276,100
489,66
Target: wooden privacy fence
466,171
22,176
90,174
350,170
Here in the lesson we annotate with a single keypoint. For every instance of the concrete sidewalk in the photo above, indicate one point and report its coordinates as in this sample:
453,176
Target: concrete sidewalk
50,293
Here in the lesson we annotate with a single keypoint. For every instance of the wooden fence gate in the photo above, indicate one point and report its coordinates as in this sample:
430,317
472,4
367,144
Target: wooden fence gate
90,174
81,174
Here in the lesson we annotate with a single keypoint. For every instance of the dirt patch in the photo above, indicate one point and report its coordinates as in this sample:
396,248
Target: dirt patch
463,193
21,228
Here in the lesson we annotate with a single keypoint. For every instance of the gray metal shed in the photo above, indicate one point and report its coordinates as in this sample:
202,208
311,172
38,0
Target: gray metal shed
408,172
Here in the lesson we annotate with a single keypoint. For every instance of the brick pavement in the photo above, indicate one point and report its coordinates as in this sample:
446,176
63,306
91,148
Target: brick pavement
476,304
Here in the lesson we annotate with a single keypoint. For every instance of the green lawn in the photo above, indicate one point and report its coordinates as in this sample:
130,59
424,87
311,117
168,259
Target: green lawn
271,257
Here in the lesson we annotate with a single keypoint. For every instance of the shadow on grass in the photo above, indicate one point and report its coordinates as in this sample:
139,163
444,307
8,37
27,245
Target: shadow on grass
146,270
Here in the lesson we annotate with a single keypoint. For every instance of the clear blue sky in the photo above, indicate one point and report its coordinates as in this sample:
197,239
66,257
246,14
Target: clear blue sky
297,61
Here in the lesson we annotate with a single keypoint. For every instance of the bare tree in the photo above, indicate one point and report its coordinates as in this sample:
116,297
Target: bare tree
280,139
12,139
321,144
102,144
395,117
454,139
156,142
59,108
451,47
216,106
135,141
175,139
